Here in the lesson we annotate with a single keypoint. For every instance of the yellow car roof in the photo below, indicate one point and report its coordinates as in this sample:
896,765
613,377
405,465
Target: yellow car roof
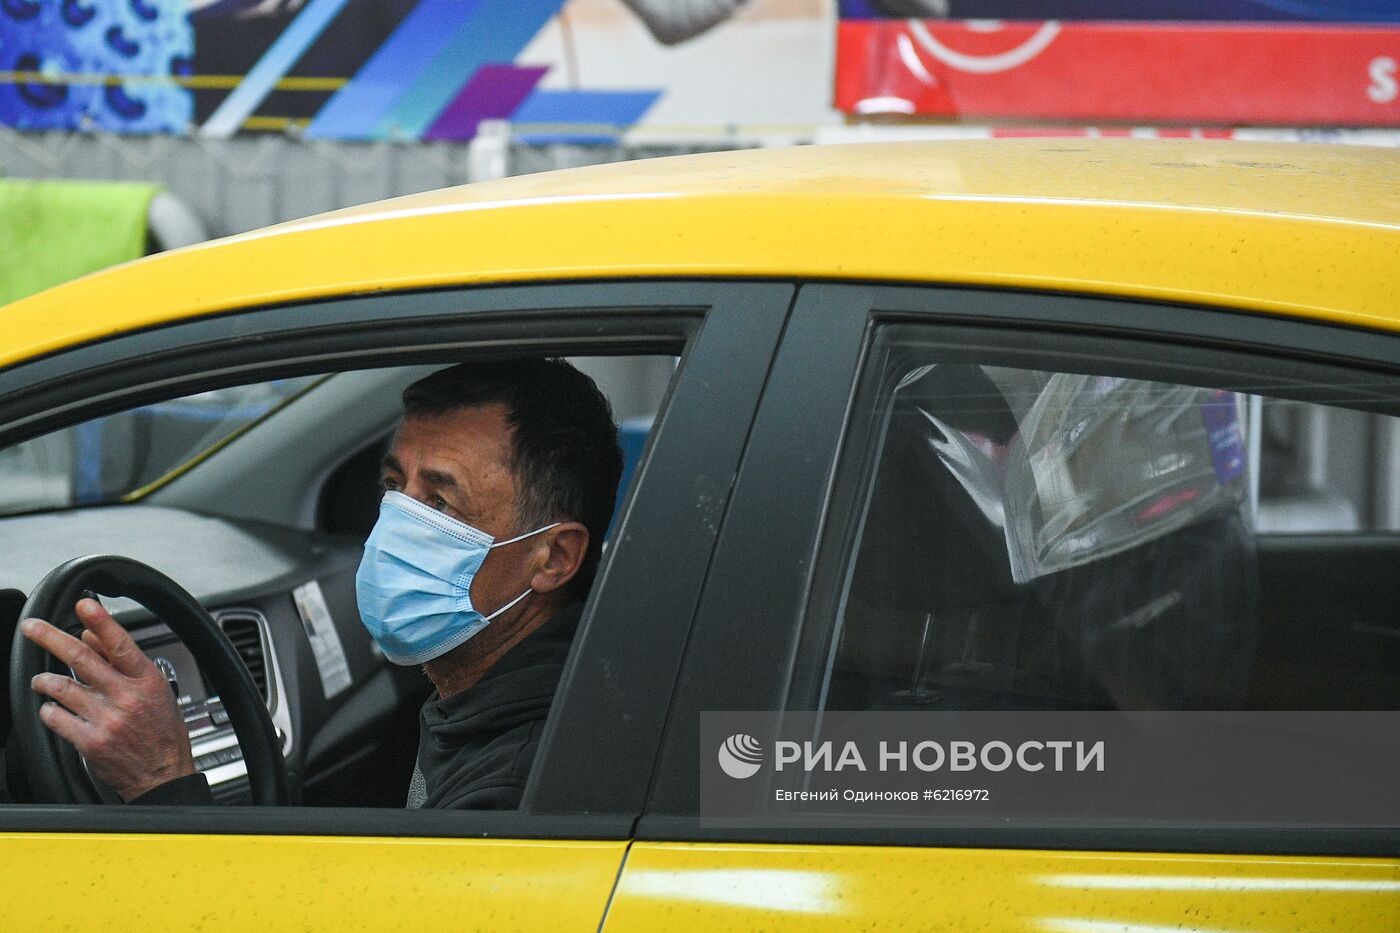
1308,230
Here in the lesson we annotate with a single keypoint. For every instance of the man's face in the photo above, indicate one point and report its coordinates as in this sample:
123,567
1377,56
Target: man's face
459,464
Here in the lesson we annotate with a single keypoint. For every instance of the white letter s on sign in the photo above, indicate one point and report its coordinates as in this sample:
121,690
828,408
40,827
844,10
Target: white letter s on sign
1383,88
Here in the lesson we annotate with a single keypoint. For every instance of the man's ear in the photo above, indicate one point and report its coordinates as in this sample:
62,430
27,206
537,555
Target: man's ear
567,545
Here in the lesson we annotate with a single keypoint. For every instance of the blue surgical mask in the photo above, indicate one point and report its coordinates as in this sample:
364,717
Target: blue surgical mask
415,580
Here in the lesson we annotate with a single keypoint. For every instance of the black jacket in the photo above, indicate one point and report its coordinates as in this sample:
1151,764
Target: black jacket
475,748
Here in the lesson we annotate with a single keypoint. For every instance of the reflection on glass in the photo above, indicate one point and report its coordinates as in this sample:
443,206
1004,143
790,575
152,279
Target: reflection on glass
106,459
757,889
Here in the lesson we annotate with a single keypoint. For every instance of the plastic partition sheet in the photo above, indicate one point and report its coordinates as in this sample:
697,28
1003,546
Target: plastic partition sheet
1098,465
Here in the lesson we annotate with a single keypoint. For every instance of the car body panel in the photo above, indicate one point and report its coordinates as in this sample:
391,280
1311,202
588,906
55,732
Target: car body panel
144,882
751,626
689,872
791,887
1290,228
725,335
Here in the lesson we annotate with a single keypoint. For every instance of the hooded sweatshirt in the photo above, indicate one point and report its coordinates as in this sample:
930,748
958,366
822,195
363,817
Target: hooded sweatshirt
475,748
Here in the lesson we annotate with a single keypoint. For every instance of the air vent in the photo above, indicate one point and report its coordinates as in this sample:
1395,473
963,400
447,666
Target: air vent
245,631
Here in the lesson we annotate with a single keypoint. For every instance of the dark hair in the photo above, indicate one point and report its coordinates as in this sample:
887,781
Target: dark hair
565,455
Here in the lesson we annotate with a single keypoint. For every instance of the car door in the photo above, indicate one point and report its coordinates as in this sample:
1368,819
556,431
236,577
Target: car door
552,864
855,572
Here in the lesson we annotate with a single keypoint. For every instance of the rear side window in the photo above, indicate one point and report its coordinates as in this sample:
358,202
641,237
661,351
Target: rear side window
1073,538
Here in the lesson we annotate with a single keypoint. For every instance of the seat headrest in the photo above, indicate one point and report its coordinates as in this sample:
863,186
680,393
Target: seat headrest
935,548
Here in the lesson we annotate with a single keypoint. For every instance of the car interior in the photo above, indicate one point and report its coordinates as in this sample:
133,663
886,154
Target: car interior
1258,601
256,500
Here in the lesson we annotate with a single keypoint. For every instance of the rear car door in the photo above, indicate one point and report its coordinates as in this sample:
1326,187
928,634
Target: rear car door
552,864
868,567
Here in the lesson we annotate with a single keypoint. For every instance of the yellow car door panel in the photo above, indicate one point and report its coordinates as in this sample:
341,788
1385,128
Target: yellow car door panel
715,886
789,632
552,864
181,882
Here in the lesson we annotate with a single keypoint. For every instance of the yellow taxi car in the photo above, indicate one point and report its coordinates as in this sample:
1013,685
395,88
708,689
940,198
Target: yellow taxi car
1012,426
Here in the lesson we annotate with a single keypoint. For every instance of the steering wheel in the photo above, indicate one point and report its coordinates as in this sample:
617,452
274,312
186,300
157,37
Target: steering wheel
52,767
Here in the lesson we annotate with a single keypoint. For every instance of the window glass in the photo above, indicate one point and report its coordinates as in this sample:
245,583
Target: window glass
107,459
636,389
1324,469
1069,538
232,528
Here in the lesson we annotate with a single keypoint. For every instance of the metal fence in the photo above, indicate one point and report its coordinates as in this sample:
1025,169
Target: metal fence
239,184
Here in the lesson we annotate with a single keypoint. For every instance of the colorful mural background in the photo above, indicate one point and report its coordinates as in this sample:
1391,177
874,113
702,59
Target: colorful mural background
340,69
590,70
56,54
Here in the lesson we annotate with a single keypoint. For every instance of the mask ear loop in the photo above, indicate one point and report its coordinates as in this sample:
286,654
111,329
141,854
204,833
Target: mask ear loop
529,590
528,534
509,604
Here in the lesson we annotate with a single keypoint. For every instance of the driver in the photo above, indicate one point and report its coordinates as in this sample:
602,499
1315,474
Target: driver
499,485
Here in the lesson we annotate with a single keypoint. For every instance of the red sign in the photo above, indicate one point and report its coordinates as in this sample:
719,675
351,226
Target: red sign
1157,72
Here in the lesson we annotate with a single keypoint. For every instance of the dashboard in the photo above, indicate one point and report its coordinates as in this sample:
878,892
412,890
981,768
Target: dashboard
212,741
346,718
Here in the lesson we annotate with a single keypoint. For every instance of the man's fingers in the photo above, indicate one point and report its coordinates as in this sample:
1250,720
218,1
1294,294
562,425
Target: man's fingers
93,642
86,663
117,644
119,713
76,698
66,725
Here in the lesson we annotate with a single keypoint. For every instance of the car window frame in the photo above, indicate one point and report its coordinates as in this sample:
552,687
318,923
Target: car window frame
746,639
728,331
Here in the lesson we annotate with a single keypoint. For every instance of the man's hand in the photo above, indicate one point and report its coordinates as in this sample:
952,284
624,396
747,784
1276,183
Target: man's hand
122,717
